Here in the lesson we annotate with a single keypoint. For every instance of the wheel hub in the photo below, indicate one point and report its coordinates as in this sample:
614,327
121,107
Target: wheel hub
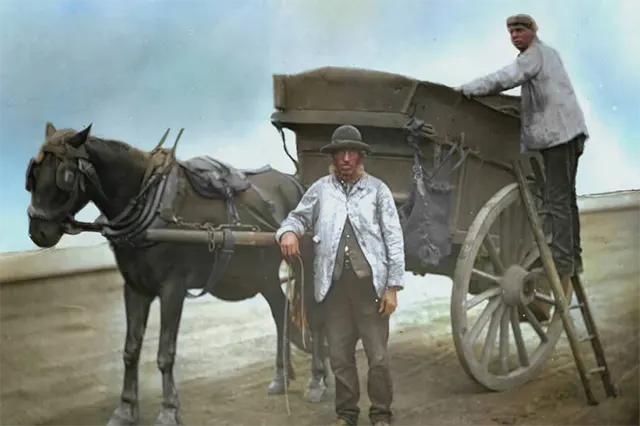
517,286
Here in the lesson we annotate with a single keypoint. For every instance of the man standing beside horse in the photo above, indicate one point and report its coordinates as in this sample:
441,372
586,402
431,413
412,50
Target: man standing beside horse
358,268
551,123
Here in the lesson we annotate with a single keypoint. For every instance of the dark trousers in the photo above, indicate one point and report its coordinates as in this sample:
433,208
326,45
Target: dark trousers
562,222
351,313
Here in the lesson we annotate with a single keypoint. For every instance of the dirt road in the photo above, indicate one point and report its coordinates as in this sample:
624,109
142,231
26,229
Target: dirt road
62,339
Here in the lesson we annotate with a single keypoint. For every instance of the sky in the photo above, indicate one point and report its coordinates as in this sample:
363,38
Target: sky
134,68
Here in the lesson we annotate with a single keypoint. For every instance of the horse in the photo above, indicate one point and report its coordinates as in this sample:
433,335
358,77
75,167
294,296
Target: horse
136,191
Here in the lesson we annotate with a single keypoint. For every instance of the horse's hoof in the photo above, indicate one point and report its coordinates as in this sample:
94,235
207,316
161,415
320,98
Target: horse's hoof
167,417
124,415
276,387
316,390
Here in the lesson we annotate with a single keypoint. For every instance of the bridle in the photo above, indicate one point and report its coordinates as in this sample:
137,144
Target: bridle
73,175
77,176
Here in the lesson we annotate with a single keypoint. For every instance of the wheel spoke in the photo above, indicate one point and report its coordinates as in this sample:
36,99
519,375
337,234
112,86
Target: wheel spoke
504,341
530,259
492,292
506,237
517,334
478,273
493,255
523,228
490,341
534,323
544,298
482,320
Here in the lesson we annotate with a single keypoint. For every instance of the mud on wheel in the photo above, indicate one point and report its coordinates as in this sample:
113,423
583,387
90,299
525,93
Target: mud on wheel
501,293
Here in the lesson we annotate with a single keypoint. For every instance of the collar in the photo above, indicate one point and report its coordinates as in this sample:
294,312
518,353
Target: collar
349,187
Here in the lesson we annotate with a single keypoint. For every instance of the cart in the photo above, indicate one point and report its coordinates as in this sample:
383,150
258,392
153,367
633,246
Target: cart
499,261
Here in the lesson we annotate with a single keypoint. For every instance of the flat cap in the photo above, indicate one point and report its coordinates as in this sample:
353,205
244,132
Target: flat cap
522,20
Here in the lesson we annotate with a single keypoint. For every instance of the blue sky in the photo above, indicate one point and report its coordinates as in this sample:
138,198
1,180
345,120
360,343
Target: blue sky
134,68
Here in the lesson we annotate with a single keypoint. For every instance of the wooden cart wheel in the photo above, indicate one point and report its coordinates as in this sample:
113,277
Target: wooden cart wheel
297,321
509,304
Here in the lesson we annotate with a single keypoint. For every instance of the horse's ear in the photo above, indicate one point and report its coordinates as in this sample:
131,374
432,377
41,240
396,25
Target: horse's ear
49,130
79,138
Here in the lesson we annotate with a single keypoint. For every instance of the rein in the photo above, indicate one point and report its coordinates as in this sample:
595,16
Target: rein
285,341
138,215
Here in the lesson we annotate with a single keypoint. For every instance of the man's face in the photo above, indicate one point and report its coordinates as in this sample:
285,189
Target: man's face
346,161
521,37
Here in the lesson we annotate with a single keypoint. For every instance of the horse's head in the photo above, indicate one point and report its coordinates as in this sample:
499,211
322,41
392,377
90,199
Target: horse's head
56,180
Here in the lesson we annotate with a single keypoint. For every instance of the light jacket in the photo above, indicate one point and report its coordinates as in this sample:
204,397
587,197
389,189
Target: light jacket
323,211
550,114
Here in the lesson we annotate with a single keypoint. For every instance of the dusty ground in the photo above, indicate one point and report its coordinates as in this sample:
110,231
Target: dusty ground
62,339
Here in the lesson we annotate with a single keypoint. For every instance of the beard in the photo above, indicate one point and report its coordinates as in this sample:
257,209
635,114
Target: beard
354,175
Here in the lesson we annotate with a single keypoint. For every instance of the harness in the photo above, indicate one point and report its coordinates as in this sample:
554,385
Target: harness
72,175
76,175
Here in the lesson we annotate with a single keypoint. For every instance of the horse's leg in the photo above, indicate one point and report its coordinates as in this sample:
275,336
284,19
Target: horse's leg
318,382
137,311
317,386
276,300
172,298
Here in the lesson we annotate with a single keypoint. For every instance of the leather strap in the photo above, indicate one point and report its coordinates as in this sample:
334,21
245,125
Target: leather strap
221,263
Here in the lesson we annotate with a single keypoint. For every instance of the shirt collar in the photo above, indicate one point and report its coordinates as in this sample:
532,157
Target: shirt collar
348,187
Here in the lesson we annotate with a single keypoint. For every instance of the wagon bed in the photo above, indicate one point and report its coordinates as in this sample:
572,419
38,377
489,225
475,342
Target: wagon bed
312,104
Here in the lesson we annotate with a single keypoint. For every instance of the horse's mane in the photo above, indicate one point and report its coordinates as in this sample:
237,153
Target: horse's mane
111,151
107,149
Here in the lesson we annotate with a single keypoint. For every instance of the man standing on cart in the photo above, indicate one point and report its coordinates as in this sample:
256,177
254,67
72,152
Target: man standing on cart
552,123
359,266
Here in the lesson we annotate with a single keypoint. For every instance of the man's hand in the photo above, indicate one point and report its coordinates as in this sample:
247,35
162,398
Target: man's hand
289,245
389,301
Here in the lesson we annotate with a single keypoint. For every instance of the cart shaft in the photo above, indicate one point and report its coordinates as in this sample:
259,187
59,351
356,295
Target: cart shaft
242,238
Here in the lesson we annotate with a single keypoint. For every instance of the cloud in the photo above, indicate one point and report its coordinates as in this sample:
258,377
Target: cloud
628,21
208,68
261,145
604,166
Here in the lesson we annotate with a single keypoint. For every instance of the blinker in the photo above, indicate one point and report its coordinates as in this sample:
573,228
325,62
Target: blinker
30,179
66,177
29,176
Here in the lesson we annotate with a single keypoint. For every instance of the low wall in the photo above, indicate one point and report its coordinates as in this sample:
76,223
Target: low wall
594,203
34,264
30,265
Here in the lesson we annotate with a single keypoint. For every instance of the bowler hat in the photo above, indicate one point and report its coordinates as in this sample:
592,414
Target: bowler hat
346,137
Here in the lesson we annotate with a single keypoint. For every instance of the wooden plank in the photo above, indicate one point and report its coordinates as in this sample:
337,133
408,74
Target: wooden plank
407,103
279,92
356,118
